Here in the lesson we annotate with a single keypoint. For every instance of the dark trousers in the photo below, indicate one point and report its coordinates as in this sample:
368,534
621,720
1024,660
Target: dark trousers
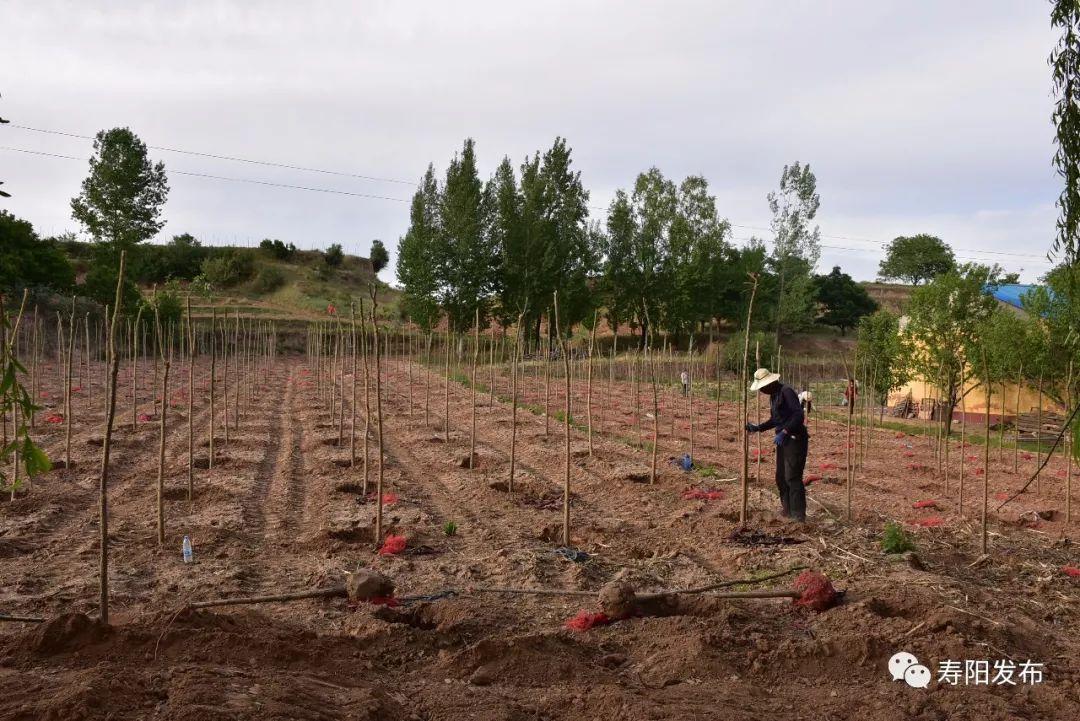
790,462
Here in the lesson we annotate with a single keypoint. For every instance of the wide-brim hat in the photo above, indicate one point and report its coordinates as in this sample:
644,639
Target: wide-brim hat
762,378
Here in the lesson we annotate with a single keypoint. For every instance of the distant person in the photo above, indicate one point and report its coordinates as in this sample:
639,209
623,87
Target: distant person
791,439
851,393
685,378
806,400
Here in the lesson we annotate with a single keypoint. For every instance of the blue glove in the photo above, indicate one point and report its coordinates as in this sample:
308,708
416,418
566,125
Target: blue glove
751,428
780,438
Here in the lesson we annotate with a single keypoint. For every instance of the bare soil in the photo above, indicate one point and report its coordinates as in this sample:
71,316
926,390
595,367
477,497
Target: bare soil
282,510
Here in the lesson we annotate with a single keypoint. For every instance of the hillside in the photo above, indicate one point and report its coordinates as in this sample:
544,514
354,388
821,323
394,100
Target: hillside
300,285
306,287
890,296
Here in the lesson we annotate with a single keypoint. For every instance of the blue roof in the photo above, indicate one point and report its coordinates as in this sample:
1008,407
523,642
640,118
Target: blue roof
1011,293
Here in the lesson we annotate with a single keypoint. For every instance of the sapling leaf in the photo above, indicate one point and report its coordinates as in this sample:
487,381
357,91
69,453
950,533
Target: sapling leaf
34,459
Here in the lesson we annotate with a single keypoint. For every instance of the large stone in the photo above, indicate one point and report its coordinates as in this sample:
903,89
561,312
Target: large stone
364,584
617,599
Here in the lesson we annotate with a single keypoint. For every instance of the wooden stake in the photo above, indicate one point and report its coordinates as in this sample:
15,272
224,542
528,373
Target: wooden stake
566,467
476,355
190,403
986,454
103,486
378,418
744,410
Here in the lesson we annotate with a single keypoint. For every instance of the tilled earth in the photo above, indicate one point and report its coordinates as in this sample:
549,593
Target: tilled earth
283,509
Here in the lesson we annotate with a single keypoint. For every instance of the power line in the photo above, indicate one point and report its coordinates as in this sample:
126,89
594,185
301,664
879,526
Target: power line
310,189
215,156
266,163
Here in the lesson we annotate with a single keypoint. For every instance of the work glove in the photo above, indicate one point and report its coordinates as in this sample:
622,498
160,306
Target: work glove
780,438
751,428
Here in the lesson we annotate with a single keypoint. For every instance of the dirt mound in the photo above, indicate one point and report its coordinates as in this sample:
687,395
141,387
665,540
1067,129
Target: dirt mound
62,634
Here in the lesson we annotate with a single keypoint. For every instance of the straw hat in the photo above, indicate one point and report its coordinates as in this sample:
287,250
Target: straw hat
762,378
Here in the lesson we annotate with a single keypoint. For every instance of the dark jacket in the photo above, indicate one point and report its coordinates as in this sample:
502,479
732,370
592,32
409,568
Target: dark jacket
785,412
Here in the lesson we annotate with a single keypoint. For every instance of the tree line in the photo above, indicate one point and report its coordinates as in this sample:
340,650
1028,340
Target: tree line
663,256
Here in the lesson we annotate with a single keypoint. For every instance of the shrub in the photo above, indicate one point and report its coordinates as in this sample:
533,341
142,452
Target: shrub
277,249
269,279
733,350
168,307
894,539
228,268
334,255
26,260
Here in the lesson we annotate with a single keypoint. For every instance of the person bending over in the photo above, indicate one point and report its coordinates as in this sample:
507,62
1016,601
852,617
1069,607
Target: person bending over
792,441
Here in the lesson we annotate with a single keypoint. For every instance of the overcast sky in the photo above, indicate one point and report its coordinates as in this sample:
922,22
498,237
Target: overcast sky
929,116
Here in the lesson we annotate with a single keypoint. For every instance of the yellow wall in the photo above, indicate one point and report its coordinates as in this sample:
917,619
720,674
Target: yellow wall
975,400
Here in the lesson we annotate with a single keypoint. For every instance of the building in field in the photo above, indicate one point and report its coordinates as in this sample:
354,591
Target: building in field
923,399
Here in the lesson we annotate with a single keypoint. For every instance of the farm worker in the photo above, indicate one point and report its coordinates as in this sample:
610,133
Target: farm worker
791,440
806,399
851,393
685,378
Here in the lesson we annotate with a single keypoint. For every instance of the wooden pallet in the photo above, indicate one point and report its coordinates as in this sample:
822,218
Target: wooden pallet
1028,427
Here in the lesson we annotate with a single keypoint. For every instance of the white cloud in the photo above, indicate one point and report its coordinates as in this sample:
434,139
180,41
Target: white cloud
916,116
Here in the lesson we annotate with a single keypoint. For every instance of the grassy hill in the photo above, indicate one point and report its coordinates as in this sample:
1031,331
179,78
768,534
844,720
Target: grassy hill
890,296
256,281
303,287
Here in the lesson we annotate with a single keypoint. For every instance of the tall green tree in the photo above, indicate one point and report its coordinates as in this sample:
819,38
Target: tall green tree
519,289
797,246
541,230
944,317
842,301
122,197
415,266
465,260
1065,64
916,259
700,258
637,248
881,346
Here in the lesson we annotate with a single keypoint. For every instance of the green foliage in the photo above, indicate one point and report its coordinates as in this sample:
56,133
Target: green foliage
1065,62
916,259
28,261
228,267
882,349
100,281
464,255
268,279
449,528
121,198
765,343
796,248
894,539
15,401
334,255
415,270
668,256
181,258
168,305
944,321
539,231
379,256
277,249
843,301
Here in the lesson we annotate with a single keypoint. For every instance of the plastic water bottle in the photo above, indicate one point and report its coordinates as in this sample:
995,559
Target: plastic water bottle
188,552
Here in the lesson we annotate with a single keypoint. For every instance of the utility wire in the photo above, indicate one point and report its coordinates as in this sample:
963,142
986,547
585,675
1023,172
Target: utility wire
333,191
233,158
266,163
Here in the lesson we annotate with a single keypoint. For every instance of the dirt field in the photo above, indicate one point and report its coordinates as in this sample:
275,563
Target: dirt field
281,510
